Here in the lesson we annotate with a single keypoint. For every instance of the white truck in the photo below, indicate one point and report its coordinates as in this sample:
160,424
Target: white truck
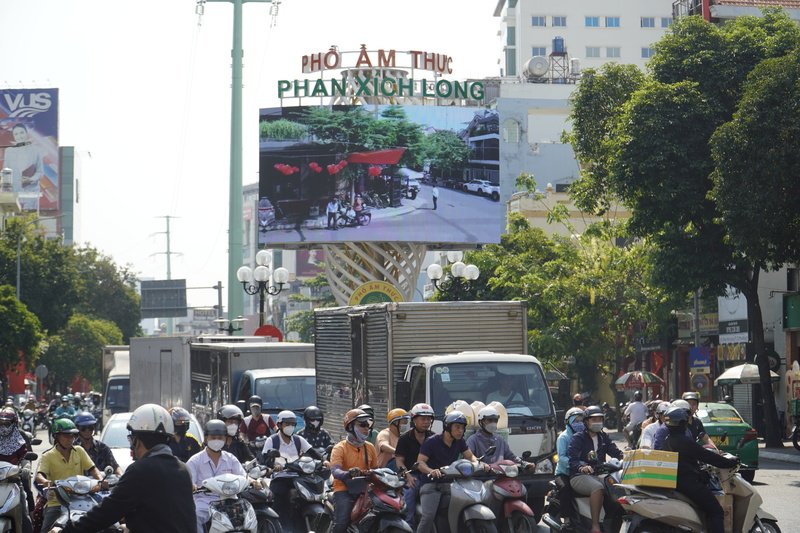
203,376
400,354
116,381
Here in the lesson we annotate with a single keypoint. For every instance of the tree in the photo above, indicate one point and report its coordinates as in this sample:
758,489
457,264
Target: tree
446,152
655,155
21,334
303,321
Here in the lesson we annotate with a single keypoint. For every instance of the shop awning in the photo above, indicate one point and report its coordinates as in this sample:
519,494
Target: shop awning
378,157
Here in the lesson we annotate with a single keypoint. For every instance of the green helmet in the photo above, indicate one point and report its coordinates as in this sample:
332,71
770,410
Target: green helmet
63,425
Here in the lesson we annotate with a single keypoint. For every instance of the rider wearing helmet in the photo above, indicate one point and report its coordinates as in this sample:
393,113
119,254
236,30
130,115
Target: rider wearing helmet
696,427
213,461
314,433
387,439
636,413
407,450
98,451
61,461
373,435
255,424
691,480
155,493
65,409
183,444
349,459
486,437
435,453
291,447
233,418
649,433
584,455
14,444
662,433
573,423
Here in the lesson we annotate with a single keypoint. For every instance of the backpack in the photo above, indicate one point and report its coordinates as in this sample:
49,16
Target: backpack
276,443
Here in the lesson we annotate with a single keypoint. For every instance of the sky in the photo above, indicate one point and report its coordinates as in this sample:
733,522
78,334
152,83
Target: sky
145,100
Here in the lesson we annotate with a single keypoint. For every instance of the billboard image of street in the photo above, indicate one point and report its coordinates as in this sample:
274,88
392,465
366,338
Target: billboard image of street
425,174
29,141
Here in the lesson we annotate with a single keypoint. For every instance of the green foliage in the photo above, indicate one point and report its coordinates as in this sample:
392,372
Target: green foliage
282,130
21,334
303,321
447,153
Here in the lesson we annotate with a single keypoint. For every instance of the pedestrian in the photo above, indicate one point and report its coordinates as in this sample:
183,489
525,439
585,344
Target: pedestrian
435,192
332,210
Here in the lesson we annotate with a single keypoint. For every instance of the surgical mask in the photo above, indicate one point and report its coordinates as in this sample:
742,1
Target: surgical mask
255,411
597,427
232,429
216,444
577,427
314,424
402,428
288,430
490,427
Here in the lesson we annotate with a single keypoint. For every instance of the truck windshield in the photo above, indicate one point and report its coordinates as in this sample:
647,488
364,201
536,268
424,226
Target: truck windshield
520,387
118,394
287,392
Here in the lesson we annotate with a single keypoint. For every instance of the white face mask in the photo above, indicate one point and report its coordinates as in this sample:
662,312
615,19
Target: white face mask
232,429
313,423
402,428
216,444
490,427
255,411
288,430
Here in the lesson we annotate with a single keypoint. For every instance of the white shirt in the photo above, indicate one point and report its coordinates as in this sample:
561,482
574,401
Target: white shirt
288,450
649,435
637,412
435,192
201,467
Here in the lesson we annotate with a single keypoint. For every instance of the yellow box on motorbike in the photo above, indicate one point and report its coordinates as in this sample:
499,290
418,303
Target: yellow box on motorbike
650,468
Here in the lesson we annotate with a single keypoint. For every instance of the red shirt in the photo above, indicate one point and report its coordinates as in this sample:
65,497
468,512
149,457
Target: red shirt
253,428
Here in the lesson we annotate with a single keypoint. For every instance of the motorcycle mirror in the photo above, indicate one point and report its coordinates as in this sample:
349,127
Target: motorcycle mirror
31,456
489,451
36,442
254,473
108,470
526,455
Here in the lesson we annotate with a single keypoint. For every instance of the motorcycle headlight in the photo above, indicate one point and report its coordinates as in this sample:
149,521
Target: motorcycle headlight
510,470
308,467
83,486
465,468
229,488
544,467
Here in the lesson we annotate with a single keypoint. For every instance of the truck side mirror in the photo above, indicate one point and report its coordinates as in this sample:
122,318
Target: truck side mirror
403,393
242,404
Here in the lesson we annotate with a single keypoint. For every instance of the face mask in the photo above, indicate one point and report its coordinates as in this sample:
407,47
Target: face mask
288,430
5,431
491,427
360,437
216,445
597,427
232,429
402,428
314,423
255,411
577,427
181,430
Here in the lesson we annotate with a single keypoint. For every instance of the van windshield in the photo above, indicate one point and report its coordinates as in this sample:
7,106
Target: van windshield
294,393
118,394
520,387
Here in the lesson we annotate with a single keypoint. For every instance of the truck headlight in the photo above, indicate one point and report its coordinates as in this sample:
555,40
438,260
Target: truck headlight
544,467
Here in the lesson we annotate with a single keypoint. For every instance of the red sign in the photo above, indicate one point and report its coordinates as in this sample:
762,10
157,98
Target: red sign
269,331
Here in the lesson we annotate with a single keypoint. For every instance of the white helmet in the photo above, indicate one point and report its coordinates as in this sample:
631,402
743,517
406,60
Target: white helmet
285,416
151,418
488,412
683,404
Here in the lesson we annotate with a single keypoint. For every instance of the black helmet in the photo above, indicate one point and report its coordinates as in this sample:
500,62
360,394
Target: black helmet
637,396
216,427
593,410
312,412
230,411
454,417
367,409
676,417
255,400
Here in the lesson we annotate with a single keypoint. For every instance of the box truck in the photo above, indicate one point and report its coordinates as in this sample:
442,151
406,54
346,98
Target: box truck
116,381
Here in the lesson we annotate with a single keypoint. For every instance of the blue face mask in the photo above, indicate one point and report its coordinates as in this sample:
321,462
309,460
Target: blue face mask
577,427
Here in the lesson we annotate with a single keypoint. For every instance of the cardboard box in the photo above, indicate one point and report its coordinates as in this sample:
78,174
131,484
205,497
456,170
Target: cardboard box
650,468
726,502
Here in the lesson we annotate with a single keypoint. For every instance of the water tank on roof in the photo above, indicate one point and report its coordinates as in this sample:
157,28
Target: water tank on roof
536,67
558,45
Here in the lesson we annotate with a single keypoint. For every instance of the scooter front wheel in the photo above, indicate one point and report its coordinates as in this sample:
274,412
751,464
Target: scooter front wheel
269,525
522,523
770,526
796,438
481,526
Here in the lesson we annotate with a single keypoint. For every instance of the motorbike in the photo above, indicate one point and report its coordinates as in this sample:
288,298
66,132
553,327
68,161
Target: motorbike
609,472
307,495
42,419
229,512
261,498
652,509
349,218
379,505
79,494
796,433
508,498
610,419
28,422
12,494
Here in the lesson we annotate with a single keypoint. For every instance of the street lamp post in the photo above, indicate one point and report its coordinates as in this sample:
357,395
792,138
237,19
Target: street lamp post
256,281
461,276
230,326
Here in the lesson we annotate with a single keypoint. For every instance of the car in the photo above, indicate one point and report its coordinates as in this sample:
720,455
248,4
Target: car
411,187
730,433
115,435
484,188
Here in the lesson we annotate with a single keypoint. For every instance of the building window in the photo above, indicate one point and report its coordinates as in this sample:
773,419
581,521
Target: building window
613,51
592,22
612,22
511,36
592,51
511,62
511,131
559,22
666,22
539,21
647,53
648,22
538,51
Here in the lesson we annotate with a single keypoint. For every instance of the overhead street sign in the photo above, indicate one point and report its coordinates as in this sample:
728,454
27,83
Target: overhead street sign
164,298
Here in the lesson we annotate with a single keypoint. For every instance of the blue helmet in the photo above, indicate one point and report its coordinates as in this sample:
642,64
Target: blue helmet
85,418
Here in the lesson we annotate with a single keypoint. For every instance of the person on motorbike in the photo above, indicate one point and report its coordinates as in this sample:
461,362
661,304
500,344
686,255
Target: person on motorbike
587,449
695,424
662,433
65,409
636,413
692,481
435,453
386,443
578,401
233,418
373,435
255,424
314,433
61,461
647,440
486,437
54,403
213,461
98,451
348,459
407,451
573,423
155,492
183,444
13,447
30,404
291,447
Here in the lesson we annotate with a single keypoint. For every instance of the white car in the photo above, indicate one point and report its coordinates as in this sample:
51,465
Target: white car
484,188
115,435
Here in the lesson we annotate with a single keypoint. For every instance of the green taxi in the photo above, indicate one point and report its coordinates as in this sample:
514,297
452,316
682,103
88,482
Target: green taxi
730,433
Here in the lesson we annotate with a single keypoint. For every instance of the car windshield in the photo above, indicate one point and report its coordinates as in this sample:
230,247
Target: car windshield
520,387
288,392
719,415
115,433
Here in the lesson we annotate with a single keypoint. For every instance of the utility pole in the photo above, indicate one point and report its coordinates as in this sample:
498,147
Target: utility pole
169,253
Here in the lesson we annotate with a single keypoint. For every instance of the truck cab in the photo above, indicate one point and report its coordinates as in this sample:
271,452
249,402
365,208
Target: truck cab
293,389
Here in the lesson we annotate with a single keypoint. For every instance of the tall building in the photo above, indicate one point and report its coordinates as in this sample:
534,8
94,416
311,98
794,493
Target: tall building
718,11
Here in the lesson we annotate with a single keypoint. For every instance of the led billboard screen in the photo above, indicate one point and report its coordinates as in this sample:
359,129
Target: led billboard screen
426,174
29,141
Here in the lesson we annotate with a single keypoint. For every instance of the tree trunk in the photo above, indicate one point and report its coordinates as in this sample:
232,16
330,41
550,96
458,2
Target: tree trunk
756,325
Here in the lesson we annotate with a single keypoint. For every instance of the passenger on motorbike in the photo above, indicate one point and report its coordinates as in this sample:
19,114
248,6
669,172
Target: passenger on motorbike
255,424
647,439
213,461
233,418
98,451
662,433
695,424
155,492
373,435
435,453
314,433
386,442
65,409
407,451
183,444
13,447
581,468
348,459
573,423
692,481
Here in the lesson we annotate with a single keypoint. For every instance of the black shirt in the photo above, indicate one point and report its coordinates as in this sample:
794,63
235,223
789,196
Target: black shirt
690,455
317,439
238,448
408,447
187,447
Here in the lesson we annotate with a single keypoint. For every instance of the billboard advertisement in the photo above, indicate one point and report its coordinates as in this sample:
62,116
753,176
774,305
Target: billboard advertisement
383,173
29,141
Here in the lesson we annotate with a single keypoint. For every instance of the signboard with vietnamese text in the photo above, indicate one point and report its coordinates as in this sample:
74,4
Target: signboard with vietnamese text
732,317
700,360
